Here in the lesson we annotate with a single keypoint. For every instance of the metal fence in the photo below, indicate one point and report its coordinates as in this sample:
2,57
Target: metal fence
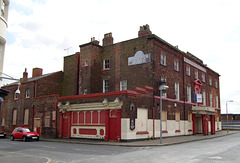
232,124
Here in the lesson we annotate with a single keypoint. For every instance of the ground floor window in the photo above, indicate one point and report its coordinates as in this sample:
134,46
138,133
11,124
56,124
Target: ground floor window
14,117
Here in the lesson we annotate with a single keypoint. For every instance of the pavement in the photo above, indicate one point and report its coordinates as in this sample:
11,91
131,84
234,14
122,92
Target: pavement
145,143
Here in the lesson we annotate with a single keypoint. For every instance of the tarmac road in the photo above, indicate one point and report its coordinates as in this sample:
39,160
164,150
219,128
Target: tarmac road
221,149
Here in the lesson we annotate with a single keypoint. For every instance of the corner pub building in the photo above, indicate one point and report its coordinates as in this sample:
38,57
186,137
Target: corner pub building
111,91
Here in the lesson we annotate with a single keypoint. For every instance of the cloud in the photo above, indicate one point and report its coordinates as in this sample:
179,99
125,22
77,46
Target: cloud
40,30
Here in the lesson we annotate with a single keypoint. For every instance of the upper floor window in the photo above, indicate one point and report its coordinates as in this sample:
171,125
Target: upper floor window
106,64
176,65
85,63
177,91
188,71
188,93
105,86
16,95
217,102
123,85
27,93
210,81
204,98
210,99
163,60
216,84
203,77
196,74
164,93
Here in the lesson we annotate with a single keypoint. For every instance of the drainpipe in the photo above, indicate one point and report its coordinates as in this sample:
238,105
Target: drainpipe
184,94
32,117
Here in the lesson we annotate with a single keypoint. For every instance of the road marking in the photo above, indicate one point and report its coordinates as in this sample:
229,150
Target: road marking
48,159
216,157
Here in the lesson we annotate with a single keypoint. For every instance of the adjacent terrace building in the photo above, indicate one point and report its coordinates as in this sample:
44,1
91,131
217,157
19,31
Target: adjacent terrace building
111,92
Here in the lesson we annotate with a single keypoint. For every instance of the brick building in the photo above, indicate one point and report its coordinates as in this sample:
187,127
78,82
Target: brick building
138,65
111,92
35,106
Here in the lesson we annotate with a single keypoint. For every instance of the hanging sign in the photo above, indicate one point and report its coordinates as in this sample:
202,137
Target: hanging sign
198,98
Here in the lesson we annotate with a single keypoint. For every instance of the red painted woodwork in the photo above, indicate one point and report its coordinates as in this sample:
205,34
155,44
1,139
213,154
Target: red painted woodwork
61,125
101,132
75,131
88,117
177,130
115,125
193,123
88,131
107,124
65,126
75,117
204,124
95,117
102,117
39,130
212,118
142,132
164,131
81,117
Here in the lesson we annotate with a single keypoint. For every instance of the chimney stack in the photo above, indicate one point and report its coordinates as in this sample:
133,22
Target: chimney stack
94,41
25,76
108,39
144,31
36,72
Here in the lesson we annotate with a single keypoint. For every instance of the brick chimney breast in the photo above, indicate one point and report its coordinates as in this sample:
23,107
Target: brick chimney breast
108,39
144,31
36,72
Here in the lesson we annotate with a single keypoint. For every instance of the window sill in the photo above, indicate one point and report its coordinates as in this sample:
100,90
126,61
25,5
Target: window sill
85,66
190,130
142,132
26,98
164,131
13,124
107,69
15,99
177,130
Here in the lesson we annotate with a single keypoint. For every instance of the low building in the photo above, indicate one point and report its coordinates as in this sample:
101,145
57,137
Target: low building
35,106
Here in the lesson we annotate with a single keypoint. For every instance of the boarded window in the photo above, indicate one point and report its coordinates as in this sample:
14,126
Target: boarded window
54,115
102,117
164,115
3,121
47,121
189,117
26,116
95,117
81,117
88,117
14,118
177,116
75,117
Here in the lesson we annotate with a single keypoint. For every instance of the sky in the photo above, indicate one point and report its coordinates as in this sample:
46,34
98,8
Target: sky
41,32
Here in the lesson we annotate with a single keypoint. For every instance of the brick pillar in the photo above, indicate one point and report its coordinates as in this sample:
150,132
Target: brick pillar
106,125
212,118
193,123
204,126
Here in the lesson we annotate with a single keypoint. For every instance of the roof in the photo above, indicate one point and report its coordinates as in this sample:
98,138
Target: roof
32,79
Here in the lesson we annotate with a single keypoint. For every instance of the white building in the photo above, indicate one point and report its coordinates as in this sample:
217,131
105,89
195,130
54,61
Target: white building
4,5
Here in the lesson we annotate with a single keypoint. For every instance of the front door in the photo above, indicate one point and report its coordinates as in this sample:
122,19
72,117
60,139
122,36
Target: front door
65,126
37,125
115,126
198,124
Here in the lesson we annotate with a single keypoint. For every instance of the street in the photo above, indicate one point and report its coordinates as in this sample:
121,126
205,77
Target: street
222,149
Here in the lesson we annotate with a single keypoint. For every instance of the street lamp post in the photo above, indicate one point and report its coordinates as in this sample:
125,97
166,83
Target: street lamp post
162,88
227,112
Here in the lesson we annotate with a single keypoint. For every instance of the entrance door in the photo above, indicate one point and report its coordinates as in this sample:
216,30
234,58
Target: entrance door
114,126
65,126
37,125
198,124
